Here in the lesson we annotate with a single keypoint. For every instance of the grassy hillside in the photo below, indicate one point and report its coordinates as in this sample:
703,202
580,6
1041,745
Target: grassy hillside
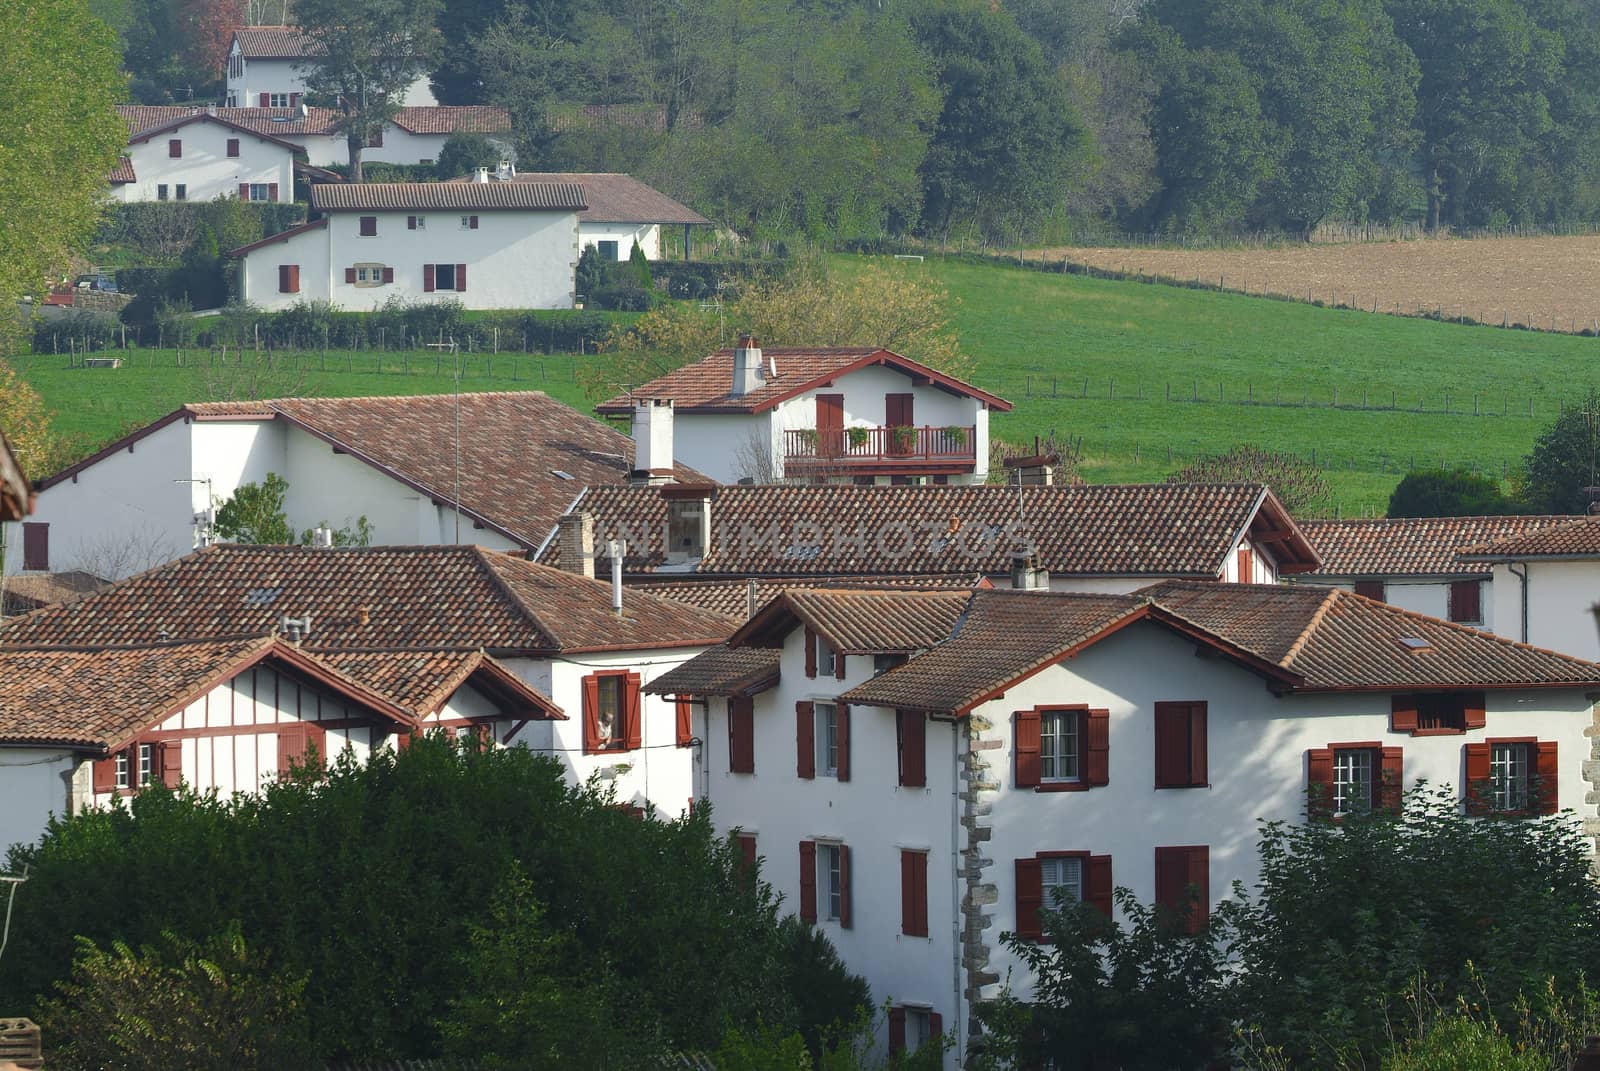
1120,365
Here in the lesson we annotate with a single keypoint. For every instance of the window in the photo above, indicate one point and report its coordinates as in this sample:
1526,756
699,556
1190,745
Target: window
608,251
258,191
913,893
161,191
820,657
1370,589
911,746
1181,745
175,148
741,735
1060,749
297,743
370,274
367,226
1183,883
233,146
832,859
1050,880
825,870
1512,776
1437,713
611,712
1345,779
883,663
120,764
469,223
416,223
180,192
1466,602
376,140
35,545
828,739
822,740
911,1027
1247,566
277,100
288,278
444,277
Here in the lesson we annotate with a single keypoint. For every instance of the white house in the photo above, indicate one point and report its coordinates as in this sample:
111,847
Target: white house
227,662
266,68
1546,584
520,460
188,154
919,772
488,246
623,212
820,415
1108,538
1414,563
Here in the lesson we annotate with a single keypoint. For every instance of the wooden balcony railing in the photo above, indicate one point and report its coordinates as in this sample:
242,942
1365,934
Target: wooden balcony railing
848,446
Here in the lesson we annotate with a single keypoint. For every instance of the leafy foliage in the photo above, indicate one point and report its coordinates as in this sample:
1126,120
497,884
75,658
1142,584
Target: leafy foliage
1449,493
255,513
26,424
1299,485
1564,460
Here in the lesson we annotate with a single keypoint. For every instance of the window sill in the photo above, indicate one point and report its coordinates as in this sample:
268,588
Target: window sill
1063,786
1438,732
1202,784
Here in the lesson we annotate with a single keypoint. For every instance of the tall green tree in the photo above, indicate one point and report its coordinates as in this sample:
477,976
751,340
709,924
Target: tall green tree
373,51
1565,460
58,86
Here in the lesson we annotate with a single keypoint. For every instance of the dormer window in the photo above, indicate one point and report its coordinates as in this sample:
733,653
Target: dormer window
686,528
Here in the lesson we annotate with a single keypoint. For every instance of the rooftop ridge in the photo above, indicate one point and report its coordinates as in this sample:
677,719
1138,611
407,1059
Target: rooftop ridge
1317,617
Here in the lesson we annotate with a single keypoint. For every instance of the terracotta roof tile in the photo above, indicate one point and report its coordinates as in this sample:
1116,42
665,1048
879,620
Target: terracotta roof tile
839,530
122,174
450,119
1578,538
421,681
30,591
276,42
858,621
418,598
721,670
478,196
706,385
616,198
1409,546
735,598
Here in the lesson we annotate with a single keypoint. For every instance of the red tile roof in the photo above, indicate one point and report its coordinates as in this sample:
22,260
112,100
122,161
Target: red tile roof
705,386
1578,538
122,174
30,591
477,196
369,598
857,621
151,121
721,671
842,530
276,42
457,118
1409,546
281,236
290,122
513,445
616,198
741,598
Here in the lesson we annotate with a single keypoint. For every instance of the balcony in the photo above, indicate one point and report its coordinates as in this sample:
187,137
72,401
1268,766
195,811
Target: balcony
881,450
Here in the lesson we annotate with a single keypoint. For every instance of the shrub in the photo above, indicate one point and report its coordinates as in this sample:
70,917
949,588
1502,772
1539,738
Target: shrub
1462,1043
1448,493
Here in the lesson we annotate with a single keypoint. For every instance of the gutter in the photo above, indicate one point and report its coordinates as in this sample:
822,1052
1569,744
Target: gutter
1522,583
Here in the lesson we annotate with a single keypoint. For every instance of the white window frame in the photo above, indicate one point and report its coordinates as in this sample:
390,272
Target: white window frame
161,191
1511,775
1348,763
825,657
1061,746
264,189
1061,872
146,764
830,879
919,1026
466,223
827,737
369,275
278,100
422,223
121,779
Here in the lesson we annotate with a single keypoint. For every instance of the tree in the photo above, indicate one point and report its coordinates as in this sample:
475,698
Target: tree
58,84
371,53
1564,460
462,154
215,1005
255,513
1449,493
1299,485
26,423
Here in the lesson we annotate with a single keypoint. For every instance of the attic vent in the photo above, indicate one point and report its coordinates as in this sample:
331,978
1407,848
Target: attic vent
562,474
1415,643
280,119
262,596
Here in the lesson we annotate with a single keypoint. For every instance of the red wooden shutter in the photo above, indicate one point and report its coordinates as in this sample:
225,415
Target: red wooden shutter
472,223
169,756
175,148
1199,876
1025,742
1370,589
294,100
685,723
1402,713
411,223
1477,793
1097,883
1474,711
1030,895
913,893
266,100
461,277
747,849
897,1030
632,713
349,275
427,278
272,191
1319,782
842,741
1546,797
1172,752
1465,601
913,728
105,774
244,191
388,275
1176,870
935,1024
741,735
808,881
1246,566
35,545
369,226
1199,744
811,652
1392,779
291,747
591,714
805,739
846,916
838,665
233,146
283,279
1098,766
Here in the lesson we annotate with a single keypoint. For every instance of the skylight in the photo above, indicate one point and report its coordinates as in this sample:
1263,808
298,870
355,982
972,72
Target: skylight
562,474
1415,643
262,596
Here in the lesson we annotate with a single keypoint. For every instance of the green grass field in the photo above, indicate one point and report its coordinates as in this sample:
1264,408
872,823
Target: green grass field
1147,377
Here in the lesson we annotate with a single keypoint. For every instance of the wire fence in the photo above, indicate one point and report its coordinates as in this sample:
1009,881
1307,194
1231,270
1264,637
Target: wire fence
1167,457
439,361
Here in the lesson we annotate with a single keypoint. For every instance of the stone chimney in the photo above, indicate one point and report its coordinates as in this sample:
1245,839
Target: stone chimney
1025,572
482,175
1037,470
652,441
577,543
747,370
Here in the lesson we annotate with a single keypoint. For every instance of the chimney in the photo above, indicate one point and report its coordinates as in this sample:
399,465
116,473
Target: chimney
295,629
1025,572
322,537
482,175
577,543
616,548
506,171
688,521
652,441
747,370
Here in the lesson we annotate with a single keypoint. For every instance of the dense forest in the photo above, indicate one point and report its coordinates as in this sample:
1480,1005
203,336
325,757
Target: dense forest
1010,119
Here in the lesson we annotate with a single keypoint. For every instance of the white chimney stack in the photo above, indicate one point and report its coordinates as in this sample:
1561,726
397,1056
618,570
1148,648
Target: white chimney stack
483,175
616,548
1025,572
747,370
652,440
506,171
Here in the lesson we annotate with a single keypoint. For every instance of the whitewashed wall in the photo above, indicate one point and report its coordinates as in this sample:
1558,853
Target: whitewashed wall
205,167
626,235
34,784
1561,598
287,76
258,270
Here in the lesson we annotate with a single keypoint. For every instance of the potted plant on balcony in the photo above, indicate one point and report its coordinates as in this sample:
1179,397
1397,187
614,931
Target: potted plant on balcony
903,437
808,439
857,437
955,435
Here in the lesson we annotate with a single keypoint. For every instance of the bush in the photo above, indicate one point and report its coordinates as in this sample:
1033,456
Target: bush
1448,493
160,231
624,299
1461,1043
